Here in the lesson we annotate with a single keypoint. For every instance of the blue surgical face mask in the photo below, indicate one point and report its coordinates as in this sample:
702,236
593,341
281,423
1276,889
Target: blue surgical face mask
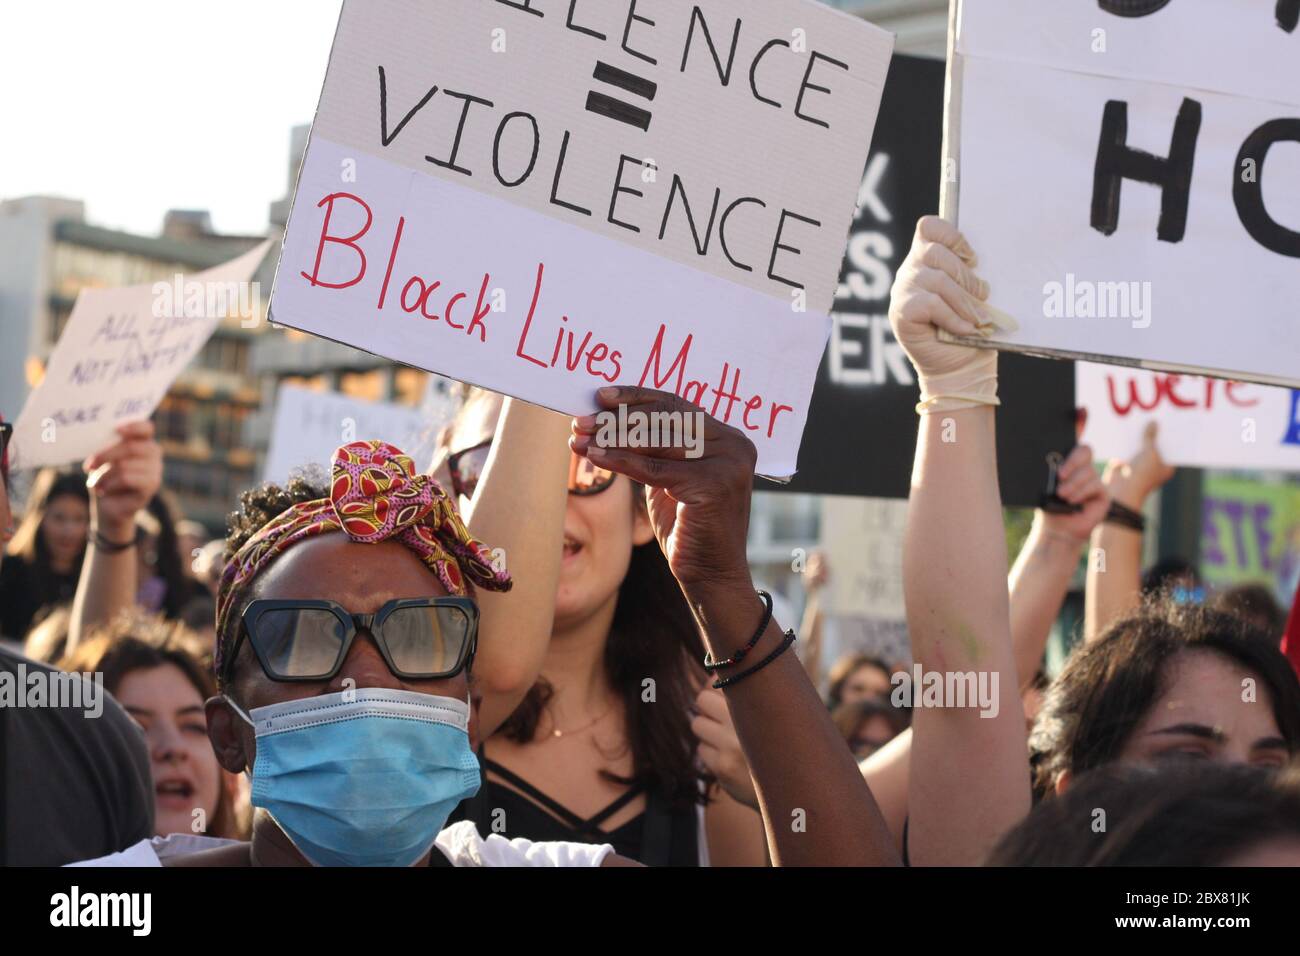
363,778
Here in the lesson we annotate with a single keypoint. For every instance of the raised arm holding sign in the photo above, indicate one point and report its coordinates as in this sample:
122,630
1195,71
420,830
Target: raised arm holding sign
1141,204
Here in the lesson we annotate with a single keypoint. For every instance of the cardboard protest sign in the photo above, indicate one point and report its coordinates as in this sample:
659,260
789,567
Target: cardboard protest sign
861,433
310,425
1251,534
1204,422
543,198
1129,173
119,354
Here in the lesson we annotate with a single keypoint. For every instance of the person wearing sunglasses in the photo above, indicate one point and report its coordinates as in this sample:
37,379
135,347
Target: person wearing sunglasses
602,748
346,638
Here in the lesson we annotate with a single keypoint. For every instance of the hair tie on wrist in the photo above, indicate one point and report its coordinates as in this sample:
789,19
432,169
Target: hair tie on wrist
954,403
1126,517
106,546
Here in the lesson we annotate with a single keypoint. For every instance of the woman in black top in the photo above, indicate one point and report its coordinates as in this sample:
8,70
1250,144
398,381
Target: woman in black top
43,561
601,749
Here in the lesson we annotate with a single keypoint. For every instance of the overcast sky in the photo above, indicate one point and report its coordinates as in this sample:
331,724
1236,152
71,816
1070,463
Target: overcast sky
141,106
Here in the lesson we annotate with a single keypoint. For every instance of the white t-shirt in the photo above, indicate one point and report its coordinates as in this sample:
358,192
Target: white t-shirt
460,842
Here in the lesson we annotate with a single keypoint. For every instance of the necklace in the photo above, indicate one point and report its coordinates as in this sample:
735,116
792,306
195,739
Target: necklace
557,732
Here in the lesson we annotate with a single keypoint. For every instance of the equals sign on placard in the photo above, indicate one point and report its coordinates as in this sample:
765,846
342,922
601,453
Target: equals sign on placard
618,109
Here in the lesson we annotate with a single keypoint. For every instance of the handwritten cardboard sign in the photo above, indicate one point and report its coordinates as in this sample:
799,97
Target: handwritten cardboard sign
1204,422
1250,533
546,197
120,352
310,425
1129,173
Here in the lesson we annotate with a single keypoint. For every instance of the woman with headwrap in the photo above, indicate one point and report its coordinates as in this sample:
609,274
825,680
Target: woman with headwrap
346,634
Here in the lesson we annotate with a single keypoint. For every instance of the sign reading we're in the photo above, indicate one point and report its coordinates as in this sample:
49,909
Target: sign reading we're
544,197
1203,422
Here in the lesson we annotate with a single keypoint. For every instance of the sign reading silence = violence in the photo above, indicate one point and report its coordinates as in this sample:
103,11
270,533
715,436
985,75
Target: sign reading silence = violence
544,197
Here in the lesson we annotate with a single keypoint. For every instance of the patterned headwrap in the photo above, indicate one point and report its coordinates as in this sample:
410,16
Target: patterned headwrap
375,495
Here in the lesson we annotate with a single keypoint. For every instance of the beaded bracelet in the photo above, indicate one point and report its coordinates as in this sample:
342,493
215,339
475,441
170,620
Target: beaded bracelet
711,665
735,678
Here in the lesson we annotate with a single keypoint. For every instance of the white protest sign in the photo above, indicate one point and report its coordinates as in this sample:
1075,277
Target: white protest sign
1129,173
120,352
310,425
1204,422
863,541
545,197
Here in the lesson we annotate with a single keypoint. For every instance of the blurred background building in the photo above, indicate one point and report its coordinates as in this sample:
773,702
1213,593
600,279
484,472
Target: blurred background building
49,253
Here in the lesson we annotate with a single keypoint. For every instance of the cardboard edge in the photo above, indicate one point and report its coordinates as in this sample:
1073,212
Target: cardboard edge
302,163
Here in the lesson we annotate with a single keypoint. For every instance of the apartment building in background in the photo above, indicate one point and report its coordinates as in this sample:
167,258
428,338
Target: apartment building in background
49,253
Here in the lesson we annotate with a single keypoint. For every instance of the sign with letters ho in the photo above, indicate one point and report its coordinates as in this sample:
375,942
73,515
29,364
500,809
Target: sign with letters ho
1129,173
544,197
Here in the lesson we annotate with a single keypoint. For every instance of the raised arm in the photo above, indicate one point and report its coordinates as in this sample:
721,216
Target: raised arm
519,507
810,626
969,778
817,809
1037,586
122,479
1114,584
1046,564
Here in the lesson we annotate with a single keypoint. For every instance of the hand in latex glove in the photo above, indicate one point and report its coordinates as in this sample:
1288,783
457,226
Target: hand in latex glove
937,288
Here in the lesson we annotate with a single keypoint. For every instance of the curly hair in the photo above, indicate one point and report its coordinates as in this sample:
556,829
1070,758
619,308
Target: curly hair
259,506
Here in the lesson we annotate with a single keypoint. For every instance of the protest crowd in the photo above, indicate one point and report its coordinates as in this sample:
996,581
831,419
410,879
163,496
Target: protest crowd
467,693
545,643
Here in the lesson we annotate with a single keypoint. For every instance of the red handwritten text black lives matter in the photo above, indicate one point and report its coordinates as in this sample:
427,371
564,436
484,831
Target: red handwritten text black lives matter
742,64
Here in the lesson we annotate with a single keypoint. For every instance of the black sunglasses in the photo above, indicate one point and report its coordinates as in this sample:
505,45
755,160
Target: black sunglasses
301,640
466,467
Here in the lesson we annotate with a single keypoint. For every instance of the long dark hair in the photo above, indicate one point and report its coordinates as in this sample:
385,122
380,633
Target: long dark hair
1174,815
1106,688
171,565
654,636
28,542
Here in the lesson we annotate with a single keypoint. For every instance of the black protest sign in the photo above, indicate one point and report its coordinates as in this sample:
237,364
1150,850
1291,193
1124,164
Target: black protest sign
861,431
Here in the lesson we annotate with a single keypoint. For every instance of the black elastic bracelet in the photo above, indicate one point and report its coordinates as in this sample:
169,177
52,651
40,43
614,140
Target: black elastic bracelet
1126,517
105,546
785,644
711,665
